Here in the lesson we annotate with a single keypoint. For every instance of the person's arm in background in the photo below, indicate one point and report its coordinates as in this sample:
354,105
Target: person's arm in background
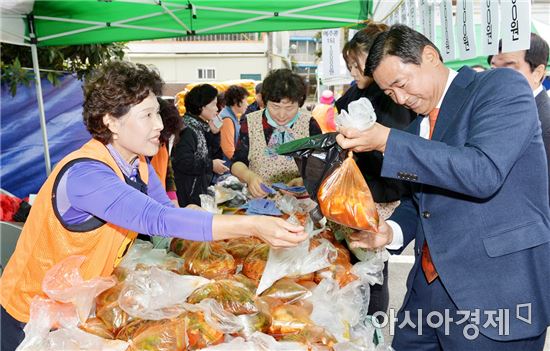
227,136
94,188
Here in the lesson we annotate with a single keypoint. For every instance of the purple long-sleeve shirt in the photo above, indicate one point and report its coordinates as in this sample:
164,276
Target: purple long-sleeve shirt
92,188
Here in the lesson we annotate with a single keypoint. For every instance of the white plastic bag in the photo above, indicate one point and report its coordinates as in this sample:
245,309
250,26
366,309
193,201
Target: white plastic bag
337,309
64,283
157,294
216,316
371,271
360,115
295,261
258,342
46,314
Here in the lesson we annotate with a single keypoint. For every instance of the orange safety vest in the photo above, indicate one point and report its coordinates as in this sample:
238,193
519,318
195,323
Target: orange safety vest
160,164
44,240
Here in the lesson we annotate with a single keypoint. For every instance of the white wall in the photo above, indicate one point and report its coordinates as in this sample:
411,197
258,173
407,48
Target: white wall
183,68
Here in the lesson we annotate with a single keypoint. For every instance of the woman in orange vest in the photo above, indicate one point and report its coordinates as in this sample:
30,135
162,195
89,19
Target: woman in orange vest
99,197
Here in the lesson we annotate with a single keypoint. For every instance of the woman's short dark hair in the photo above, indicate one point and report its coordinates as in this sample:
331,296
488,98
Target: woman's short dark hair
362,42
113,89
284,84
198,97
170,119
400,41
234,95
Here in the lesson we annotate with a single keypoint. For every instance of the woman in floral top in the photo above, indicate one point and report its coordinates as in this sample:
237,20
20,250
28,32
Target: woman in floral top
255,160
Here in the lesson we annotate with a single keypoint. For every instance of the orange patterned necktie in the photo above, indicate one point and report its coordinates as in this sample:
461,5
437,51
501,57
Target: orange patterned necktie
433,117
427,263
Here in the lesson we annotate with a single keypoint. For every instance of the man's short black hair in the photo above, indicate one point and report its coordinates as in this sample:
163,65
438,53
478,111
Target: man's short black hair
400,41
284,84
536,55
234,95
198,97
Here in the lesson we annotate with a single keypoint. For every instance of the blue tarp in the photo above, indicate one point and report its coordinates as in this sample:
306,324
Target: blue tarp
22,167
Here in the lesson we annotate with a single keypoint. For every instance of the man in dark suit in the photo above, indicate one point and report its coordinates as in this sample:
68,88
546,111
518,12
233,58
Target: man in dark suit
479,209
532,64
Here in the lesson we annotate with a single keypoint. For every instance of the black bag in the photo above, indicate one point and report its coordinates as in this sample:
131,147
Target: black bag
316,156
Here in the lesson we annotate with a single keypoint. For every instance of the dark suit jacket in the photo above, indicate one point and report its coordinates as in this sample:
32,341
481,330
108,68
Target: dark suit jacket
543,107
480,198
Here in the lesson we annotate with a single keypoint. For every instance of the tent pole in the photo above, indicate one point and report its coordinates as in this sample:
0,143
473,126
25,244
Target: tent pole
42,115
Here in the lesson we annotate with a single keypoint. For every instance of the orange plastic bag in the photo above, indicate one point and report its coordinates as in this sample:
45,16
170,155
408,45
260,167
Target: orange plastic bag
345,198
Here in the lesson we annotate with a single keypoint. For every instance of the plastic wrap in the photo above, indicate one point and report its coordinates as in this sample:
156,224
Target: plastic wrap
345,198
254,264
360,115
178,246
295,261
164,335
76,339
46,314
258,342
313,336
216,316
142,255
234,297
209,260
337,309
340,269
157,294
109,311
240,248
97,327
288,319
64,283
287,291
371,271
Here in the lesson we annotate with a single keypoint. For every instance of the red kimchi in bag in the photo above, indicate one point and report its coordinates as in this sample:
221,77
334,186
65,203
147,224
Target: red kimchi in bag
345,198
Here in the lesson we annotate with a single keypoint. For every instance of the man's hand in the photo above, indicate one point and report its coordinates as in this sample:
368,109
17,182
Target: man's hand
372,241
374,138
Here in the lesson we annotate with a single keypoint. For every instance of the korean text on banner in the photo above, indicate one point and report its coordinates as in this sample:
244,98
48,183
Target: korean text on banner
489,27
447,39
516,25
331,53
465,36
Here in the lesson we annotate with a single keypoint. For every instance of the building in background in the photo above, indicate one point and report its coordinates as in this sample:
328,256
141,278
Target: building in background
303,53
212,58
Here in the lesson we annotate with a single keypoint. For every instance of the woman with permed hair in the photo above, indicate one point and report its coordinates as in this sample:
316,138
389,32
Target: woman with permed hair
256,161
99,197
197,157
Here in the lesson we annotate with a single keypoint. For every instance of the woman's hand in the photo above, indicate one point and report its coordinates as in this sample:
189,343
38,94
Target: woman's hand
372,241
274,231
296,182
219,167
278,232
255,182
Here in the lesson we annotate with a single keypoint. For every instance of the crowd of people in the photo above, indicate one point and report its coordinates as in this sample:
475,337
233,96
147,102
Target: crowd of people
457,162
